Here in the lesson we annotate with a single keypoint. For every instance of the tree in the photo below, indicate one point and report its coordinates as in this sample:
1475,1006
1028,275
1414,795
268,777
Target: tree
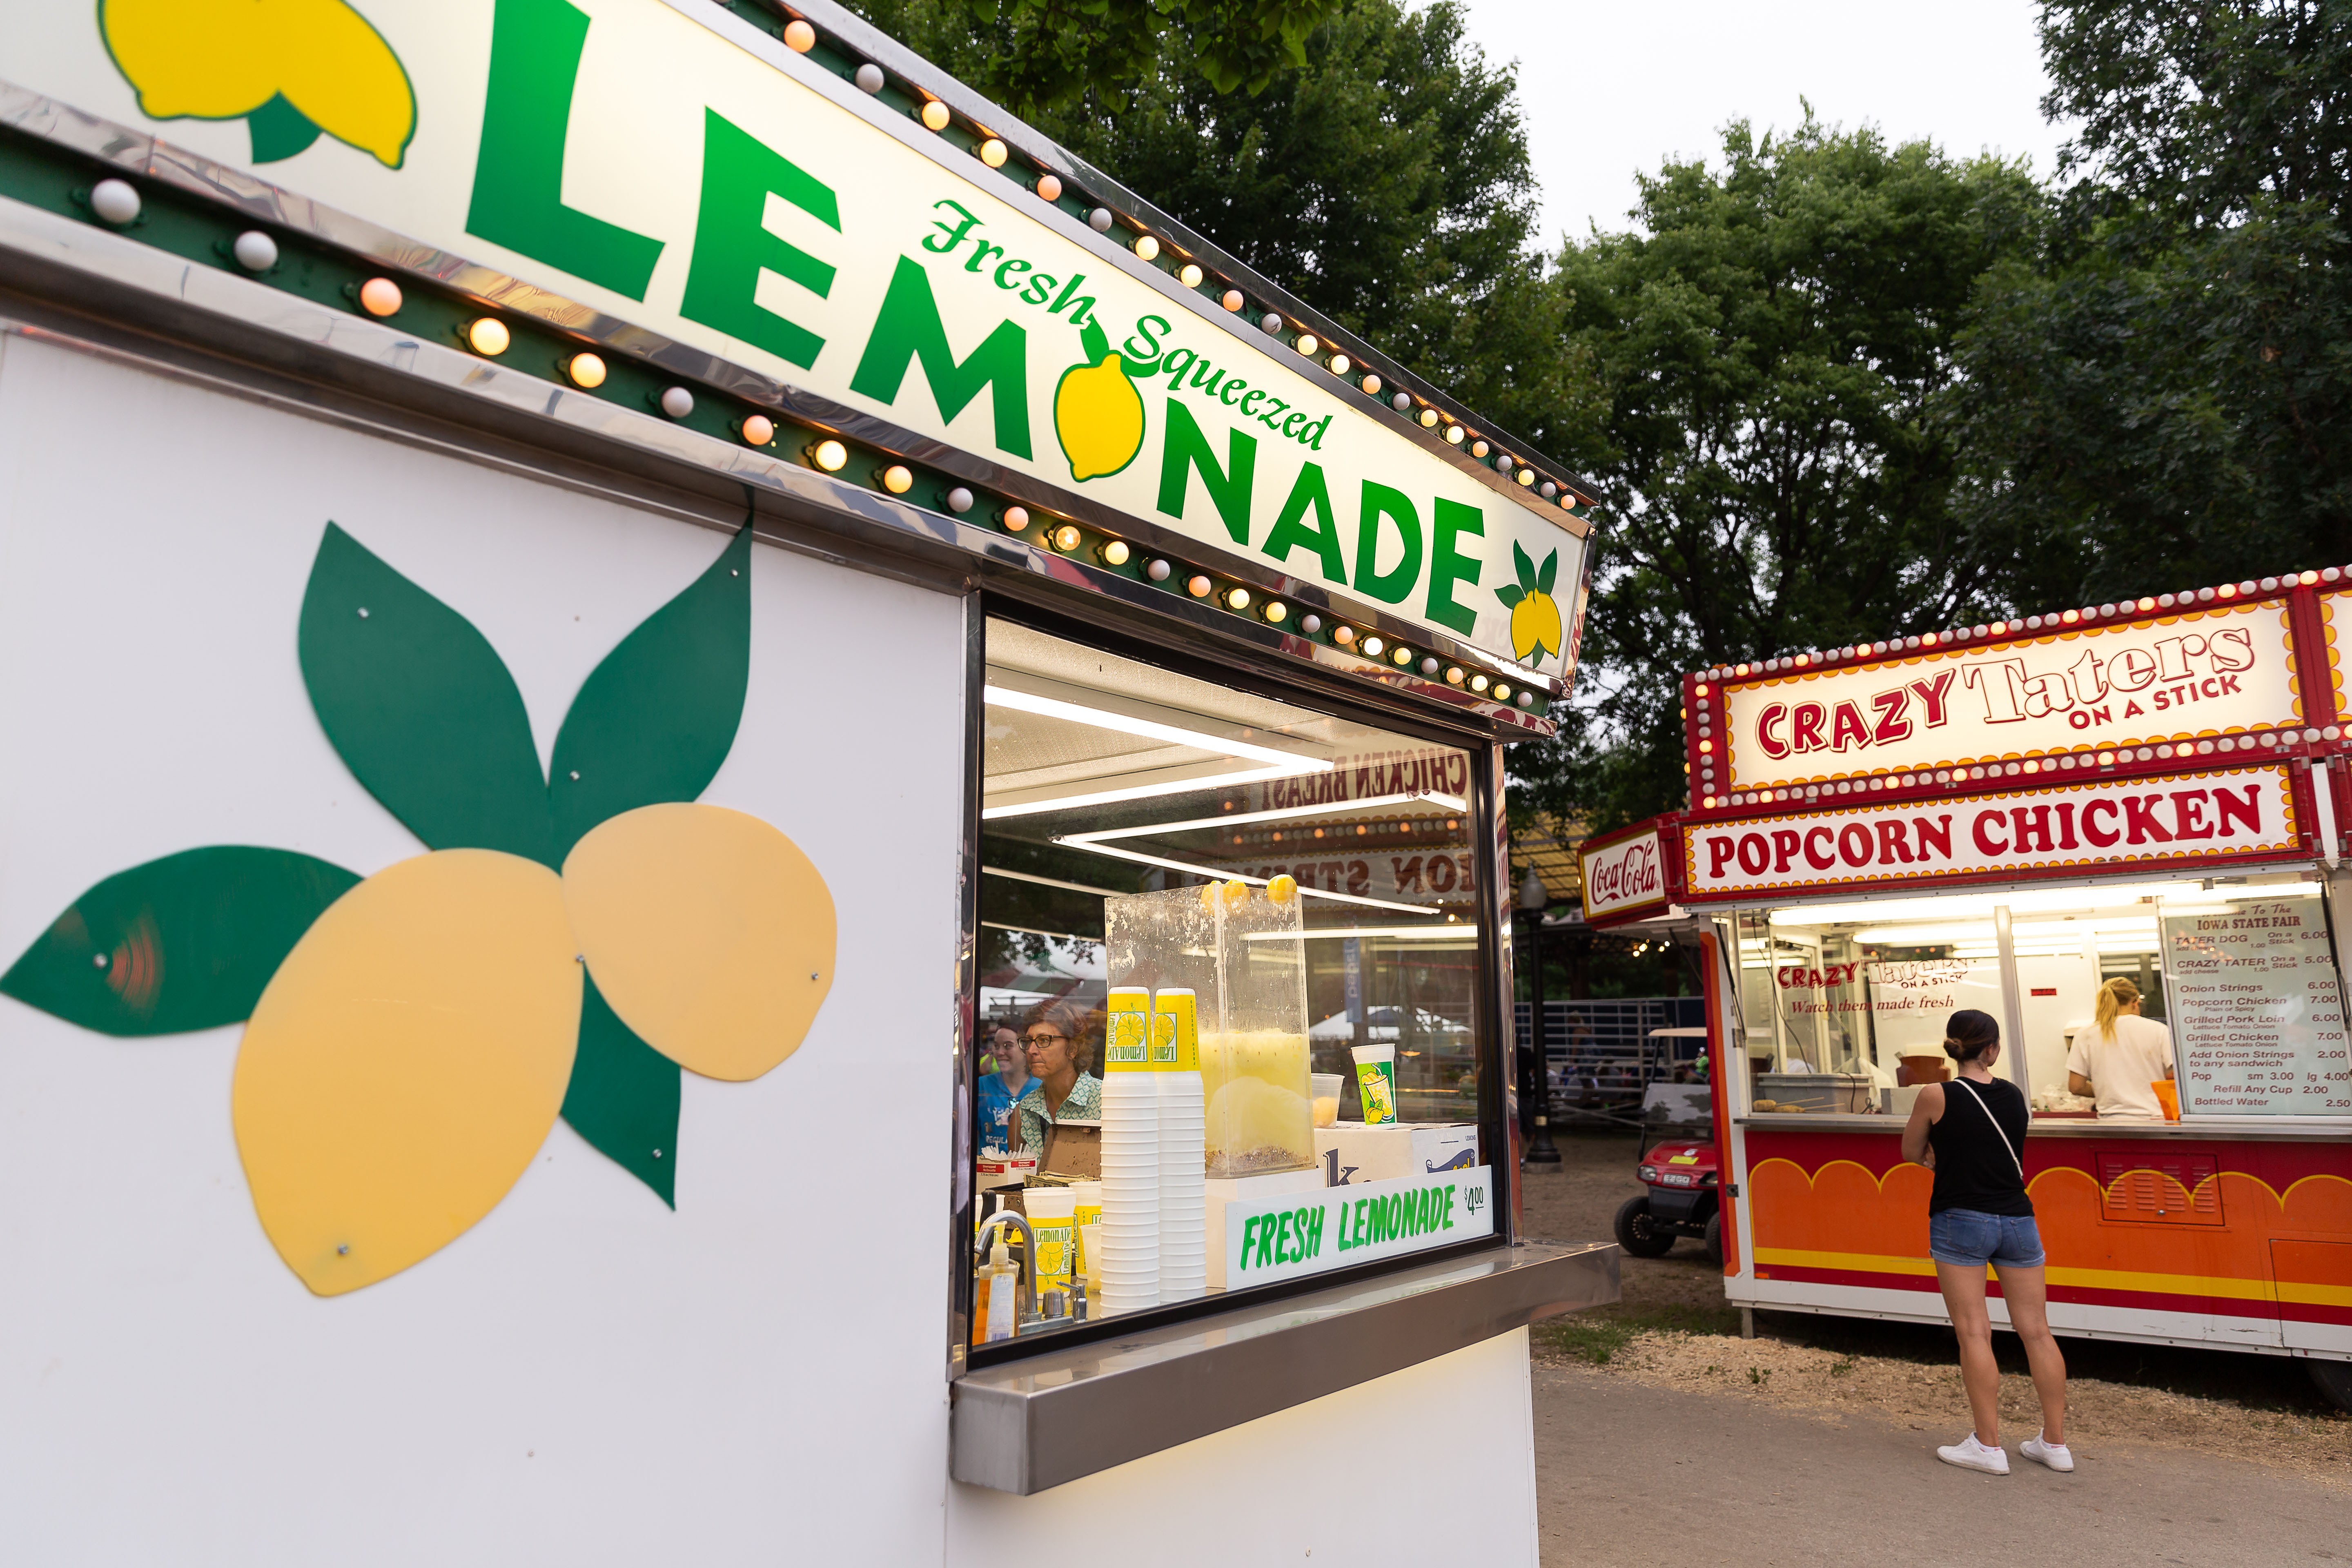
2167,384
1773,341
1383,180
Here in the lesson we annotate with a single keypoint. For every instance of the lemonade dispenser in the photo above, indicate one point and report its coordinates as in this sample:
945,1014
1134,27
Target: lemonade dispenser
1241,950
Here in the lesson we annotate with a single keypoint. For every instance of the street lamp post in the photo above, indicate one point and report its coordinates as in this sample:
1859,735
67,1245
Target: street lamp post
1534,1082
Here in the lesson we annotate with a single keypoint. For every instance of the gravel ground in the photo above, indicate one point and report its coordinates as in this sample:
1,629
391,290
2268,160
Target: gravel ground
1672,1330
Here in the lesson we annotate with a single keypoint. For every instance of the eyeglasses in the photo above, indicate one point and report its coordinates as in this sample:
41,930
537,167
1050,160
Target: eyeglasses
1043,1039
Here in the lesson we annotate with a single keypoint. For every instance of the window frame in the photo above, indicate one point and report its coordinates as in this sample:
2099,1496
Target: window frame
1497,1132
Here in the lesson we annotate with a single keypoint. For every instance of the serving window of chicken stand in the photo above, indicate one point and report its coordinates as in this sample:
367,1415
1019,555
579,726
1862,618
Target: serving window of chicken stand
743,818
2116,830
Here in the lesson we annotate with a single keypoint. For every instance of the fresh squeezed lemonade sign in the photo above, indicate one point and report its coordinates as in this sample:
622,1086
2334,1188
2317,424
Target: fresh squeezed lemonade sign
2209,672
675,167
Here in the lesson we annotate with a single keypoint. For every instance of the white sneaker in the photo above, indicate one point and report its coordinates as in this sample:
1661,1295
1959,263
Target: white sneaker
1971,1455
2053,1455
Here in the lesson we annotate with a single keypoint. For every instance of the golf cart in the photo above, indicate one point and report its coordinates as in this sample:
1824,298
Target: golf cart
1679,1177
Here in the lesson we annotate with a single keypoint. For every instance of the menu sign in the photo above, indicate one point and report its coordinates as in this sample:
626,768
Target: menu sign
1912,1004
2219,671
2258,1016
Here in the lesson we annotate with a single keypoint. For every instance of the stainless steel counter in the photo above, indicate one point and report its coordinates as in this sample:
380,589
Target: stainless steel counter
1037,1423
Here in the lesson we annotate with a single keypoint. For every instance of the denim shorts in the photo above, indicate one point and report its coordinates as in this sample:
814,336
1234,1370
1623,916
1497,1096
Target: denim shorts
1973,1239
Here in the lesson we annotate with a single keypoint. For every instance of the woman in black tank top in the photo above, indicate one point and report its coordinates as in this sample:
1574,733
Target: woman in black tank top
1971,1133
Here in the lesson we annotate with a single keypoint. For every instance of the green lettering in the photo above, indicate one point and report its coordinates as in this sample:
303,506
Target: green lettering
1084,303
1291,530
1315,1231
950,234
1362,1238
908,329
517,202
1390,587
1450,520
1265,1240
732,247
1186,450
1282,1238
1249,1233
1446,1220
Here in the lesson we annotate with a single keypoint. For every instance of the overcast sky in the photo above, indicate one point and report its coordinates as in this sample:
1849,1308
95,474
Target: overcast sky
1611,88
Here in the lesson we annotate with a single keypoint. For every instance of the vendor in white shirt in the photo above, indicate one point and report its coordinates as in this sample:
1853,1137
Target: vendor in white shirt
2120,1055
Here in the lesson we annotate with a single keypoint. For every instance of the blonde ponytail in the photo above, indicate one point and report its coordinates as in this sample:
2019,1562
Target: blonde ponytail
2114,996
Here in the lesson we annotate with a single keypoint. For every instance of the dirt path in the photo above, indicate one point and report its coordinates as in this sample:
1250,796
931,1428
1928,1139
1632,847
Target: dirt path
1673,1330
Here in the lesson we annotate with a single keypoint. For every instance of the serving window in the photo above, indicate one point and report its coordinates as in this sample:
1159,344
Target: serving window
1262,918
1845,1006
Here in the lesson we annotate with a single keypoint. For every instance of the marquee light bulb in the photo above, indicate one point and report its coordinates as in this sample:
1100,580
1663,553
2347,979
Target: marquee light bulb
1199,587
1191,276
830,456
1341,364
1372,386
1016,517
1147,248
1308,342
1049,187
1116,553
897,479
379,296
1067,537
994,152
1373,646
585,371
1233,299
759,429
935,115
1238,599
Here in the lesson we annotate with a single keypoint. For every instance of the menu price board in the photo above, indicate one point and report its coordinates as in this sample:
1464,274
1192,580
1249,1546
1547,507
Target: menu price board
2257,1012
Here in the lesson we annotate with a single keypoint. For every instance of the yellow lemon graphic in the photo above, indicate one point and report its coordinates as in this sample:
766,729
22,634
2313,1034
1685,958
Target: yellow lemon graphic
1098,412
1534,623
220,59
708,932
1535,617
406,1063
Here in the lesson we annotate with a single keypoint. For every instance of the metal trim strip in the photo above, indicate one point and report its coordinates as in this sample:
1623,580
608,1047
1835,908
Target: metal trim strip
1057,1416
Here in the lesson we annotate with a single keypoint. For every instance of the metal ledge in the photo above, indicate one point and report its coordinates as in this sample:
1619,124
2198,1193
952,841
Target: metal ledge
1059,1415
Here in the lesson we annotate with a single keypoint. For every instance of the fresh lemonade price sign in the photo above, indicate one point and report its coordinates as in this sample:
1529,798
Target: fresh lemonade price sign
673,166
1309,1233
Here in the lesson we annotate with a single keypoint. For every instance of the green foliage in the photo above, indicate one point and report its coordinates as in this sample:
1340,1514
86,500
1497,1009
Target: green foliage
1773,340
1035,57
624,1096
2165,388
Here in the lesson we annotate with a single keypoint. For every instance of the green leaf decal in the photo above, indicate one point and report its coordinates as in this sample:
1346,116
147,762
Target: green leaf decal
185,943
420,707
1524,567
1510,596
1094,341
624,1096
1545,578
654,722
279,130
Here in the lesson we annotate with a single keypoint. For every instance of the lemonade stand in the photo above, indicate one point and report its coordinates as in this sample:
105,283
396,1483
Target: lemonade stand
594,587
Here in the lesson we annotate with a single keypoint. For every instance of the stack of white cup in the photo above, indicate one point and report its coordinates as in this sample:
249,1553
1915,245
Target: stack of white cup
1129,1266
1183,1137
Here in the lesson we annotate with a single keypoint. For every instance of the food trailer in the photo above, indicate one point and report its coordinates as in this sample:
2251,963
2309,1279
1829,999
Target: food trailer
578,572
2007,817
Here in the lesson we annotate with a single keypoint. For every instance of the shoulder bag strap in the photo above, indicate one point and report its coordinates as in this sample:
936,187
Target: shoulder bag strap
1977,1095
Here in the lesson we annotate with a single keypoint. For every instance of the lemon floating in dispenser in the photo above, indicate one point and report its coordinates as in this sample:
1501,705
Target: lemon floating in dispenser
1245,959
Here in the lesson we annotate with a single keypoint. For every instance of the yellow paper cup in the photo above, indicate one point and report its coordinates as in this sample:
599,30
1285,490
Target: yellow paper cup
1126,1045
1053,1221
2167,1095
1175,1030
1376,1082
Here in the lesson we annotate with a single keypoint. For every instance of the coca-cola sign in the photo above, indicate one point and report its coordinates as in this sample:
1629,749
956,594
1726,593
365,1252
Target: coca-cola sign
2212,673
1626,875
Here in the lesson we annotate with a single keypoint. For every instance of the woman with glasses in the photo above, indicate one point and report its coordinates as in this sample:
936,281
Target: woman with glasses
1061,1048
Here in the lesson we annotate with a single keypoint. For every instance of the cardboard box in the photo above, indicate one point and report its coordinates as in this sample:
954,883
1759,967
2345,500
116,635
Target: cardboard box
1224,1190
1073,1149
1351,1154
